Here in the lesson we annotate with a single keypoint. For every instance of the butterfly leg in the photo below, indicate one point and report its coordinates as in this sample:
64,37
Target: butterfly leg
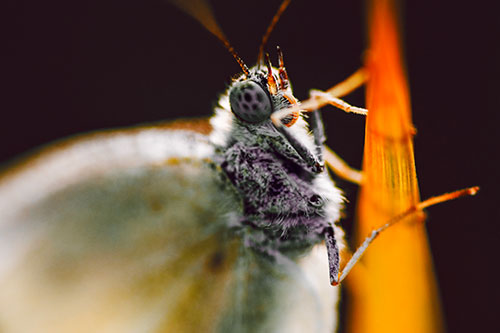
312,162
332,250
341,168
418,208
326,98
356,80
318,130
324,153
332,95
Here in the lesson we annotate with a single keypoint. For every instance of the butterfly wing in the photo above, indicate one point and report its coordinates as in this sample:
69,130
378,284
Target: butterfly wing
133,231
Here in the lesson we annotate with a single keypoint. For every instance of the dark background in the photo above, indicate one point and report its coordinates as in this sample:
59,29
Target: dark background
70,67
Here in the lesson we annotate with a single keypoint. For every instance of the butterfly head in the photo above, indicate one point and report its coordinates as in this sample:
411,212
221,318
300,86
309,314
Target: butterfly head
255,95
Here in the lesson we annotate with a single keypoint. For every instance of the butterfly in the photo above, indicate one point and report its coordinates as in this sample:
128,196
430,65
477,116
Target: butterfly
174,228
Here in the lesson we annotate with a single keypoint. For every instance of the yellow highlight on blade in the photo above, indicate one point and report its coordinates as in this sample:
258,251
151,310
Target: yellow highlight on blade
394,290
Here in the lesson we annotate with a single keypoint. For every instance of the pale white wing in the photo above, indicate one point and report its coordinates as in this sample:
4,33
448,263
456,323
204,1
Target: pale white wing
131,232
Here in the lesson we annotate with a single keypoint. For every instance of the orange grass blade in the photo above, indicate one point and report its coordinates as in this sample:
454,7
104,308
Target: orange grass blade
396,290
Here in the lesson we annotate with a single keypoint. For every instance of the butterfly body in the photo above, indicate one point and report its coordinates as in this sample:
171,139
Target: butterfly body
288,203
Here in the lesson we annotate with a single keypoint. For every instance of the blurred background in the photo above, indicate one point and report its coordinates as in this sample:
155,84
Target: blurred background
74,67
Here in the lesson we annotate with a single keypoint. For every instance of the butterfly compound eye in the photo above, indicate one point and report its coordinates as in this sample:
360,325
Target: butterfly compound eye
250,102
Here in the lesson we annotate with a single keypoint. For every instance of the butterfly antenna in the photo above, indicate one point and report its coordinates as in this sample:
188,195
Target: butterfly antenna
235,55
202,12
265,38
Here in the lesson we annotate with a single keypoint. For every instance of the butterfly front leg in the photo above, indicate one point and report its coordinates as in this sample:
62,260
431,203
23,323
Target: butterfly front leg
294,150
318,130
333,255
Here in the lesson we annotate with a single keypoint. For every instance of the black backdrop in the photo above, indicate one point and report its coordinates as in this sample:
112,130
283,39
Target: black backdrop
70,67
